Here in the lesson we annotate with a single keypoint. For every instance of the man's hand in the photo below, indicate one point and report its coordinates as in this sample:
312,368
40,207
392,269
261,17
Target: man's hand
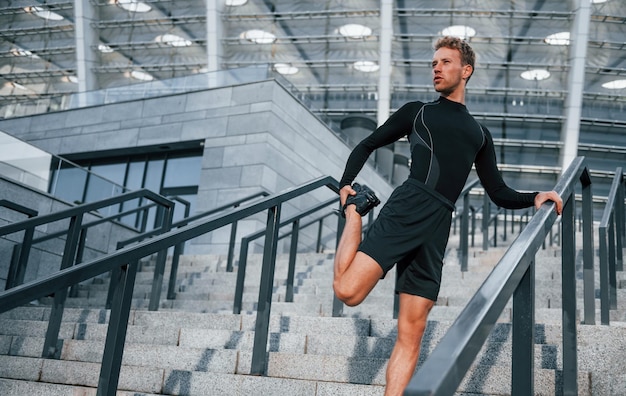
546,196
344,193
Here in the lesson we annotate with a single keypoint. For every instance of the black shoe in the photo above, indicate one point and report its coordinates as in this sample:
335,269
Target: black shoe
364,200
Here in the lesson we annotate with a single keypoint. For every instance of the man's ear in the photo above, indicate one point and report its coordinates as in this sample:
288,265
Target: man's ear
467,71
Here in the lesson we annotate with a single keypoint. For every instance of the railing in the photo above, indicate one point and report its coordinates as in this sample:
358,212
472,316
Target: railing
611,236
245,241
179,248
75,235
17,268
127,260
447,365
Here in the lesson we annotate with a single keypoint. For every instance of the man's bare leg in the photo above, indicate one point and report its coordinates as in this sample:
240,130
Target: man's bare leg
355,273
412,319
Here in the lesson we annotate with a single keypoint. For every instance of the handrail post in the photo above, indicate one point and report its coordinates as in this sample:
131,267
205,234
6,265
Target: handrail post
264,305
612,265
568,275
116,333
159,268
589,299
495,229
485,225
231,247
293,251
464,233
171,287
56,315
523,323
241,275
620,220
473,210
318,246
605,300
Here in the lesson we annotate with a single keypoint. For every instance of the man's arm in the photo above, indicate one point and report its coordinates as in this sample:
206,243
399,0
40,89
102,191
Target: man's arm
397,126
501,194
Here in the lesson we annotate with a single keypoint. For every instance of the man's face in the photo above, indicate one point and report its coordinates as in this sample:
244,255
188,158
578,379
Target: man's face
448,71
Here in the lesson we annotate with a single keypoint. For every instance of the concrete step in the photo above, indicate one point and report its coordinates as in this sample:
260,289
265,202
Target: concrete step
214,349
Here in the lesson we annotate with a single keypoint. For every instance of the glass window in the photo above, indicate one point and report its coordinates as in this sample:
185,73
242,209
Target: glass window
68,184
183,171
104,182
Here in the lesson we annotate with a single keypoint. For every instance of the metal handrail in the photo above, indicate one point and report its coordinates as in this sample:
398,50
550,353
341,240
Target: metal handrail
447,365
127,259
179,248
245,242
75,236
17,266
611,237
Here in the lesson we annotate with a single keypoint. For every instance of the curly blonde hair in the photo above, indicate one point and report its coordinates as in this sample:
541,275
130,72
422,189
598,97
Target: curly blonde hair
468,57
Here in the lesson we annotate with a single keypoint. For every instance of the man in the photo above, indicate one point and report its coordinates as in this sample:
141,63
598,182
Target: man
413,227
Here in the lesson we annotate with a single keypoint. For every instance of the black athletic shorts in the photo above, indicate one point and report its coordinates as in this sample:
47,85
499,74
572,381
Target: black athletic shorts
412,231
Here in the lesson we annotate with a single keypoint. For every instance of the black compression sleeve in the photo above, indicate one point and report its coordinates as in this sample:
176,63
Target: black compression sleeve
396,127
491,179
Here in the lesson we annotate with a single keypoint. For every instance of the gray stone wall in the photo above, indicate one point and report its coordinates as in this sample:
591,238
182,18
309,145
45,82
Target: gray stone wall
256,136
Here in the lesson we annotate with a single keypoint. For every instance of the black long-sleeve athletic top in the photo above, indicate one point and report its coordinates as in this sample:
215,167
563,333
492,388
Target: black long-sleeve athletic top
445,141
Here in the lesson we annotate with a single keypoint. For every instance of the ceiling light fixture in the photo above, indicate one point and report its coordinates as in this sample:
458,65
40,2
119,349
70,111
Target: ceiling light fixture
235,3
285,68
535,74
258,36
461,31
173,40
20,52
140,75
19,86
561,38
105,49
133,5
366,66
354,31
44,13
615,84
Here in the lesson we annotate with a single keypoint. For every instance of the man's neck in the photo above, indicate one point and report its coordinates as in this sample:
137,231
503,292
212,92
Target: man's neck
455,96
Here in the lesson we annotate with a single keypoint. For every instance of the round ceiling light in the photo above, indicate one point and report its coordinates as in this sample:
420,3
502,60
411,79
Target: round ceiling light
285,68
354,31
44,13
461,31
140,75
133,5
561,38
258,36
235,3
615,84
535,74
105,49
173,40
366,66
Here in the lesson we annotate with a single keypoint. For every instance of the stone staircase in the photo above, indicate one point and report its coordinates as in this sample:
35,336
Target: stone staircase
194,345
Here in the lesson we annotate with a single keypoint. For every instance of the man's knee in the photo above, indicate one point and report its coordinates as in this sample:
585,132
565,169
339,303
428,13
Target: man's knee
346,294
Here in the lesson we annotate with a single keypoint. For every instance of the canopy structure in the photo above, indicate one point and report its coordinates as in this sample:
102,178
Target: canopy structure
349,59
